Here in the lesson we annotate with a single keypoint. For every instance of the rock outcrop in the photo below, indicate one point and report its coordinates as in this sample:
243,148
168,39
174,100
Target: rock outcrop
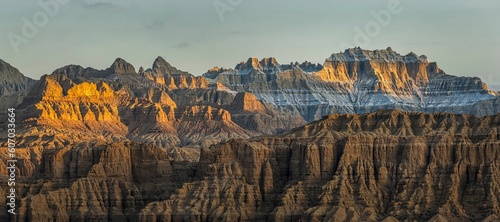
120,66
12,81
85,107
388,165
251,113
160,144
207,125
359,81
13,88
246,102
163,73
91,181
119,103
382,166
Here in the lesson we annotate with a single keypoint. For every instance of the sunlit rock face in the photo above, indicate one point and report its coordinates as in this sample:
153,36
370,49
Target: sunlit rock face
161,105
359,81
60,103
162,145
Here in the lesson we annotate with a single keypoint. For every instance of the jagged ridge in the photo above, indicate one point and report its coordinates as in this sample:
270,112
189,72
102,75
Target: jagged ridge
119,103
359,81
388,165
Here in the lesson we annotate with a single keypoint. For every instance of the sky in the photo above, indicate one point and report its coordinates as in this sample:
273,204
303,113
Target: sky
462,36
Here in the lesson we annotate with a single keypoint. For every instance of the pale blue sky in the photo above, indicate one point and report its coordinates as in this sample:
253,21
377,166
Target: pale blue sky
463,36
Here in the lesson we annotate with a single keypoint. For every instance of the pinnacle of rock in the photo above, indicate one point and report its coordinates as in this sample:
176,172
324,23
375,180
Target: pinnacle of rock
120,66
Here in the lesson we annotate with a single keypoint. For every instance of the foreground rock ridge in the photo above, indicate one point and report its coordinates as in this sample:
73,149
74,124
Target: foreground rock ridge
382,166
390,138
359,81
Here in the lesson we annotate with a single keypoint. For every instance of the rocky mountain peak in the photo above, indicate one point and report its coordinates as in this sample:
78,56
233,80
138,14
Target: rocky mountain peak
266,65
12,80
359,81
161,66
214,72
412,57
161,63
70,70
379,55
216,69
7,71
268,62
252,62
120,66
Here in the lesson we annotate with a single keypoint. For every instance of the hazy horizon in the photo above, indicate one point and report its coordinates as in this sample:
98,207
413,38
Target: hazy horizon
462,37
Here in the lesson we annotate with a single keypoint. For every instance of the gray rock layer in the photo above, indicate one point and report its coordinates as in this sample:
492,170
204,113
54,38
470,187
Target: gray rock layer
359,81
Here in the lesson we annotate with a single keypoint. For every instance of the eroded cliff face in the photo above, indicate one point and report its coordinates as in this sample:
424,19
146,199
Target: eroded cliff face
85,107
121,145
117,103
358,81
251,113
91,181
388,165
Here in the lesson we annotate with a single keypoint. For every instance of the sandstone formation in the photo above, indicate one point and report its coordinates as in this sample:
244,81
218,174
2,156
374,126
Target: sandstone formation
382,166
160,144
85,107
359,81
91,181
162,106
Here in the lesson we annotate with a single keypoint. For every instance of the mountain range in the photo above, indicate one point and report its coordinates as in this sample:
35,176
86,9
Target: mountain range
359,81
368,135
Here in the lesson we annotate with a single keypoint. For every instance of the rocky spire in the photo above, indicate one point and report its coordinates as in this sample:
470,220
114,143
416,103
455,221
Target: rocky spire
120,66
269,62
249,64
162,66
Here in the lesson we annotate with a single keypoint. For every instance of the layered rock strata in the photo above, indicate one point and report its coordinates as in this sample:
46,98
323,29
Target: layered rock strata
359,81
